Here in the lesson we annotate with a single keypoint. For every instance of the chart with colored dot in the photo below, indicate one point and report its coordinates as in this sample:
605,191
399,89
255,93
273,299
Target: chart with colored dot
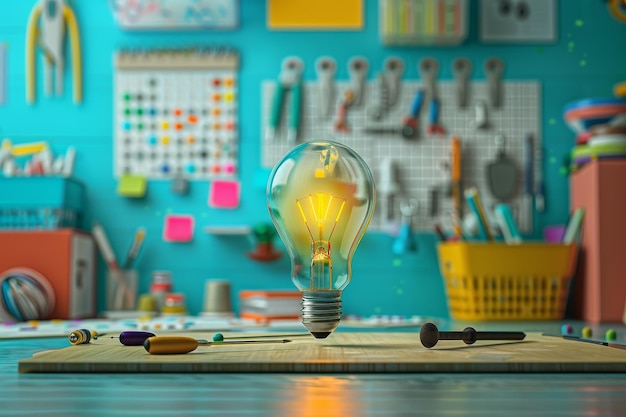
175,113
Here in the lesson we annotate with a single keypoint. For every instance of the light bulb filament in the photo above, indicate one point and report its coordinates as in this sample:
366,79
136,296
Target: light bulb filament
318,210
321,205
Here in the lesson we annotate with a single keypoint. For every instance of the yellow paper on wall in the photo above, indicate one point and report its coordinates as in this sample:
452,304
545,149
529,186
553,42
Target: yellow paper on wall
133,186
315,14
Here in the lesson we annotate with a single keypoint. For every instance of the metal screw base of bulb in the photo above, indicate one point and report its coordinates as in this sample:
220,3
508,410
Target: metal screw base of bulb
321,312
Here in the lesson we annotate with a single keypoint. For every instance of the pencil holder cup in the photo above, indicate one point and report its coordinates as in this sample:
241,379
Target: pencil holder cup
121,289
217,300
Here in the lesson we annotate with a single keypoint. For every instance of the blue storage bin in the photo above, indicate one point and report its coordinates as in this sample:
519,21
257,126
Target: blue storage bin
41,203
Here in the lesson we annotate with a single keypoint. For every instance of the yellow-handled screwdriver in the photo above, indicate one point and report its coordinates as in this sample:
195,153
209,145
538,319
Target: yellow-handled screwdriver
170,345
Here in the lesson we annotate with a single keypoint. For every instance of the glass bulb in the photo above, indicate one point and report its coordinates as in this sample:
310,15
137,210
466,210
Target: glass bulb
321,199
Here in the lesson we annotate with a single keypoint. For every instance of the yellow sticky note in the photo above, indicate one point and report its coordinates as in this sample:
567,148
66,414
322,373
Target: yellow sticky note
132,186
315,14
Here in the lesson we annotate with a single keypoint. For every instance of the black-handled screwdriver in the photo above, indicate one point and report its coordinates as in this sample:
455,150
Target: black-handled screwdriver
430,335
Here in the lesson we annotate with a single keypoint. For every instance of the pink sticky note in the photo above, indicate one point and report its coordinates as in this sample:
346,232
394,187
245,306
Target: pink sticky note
178,228
224,194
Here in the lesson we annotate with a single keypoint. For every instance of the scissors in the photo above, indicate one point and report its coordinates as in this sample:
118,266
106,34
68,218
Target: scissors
46,28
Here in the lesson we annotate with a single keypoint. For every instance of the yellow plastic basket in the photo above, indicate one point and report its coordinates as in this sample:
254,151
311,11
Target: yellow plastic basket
495,281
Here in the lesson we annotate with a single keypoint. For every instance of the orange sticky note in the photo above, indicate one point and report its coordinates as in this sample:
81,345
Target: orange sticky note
224,194
178,228
317,14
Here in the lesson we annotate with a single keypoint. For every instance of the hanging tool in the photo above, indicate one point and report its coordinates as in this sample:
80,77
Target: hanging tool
481,120
289,82
388,82
382,107
55,15
540,201
429,69
526,217
394,69
387,188
326,67
170,345
406,131
405,241
434,127
412,120
358,68
502,173
462,68
494,68
457,187
341,122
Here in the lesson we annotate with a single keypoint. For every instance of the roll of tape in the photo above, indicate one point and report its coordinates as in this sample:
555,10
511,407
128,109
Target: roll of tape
25,295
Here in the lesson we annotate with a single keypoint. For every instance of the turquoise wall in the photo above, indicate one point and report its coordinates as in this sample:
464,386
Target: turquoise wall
586,61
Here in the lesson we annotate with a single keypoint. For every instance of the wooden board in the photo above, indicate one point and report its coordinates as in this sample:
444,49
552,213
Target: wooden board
340,353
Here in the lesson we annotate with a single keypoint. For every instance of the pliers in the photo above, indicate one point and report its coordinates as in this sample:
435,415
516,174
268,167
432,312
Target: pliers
289,80
55,15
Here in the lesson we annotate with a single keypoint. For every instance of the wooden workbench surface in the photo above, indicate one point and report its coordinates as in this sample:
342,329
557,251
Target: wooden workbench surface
339,353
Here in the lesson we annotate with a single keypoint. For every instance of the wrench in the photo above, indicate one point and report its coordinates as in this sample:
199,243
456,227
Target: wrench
358,68
429,69
494,68
462,68
326,67
389,81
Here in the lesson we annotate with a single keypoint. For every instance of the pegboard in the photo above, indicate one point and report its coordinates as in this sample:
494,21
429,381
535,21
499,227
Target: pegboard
421,163
175,113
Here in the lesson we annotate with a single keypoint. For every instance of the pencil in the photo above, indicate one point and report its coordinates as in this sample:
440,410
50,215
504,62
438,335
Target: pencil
140,234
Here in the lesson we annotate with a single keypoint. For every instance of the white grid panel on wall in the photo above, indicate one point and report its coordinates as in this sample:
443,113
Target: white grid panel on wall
420,162
175,114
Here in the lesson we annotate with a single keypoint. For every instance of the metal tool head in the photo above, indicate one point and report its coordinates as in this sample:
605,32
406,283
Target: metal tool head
429,70
502,174
325,66
292,68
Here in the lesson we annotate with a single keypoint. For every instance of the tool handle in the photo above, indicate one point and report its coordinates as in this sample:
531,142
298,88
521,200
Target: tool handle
416,106
528,164
169,345
134,337
434,111
277,102
295,110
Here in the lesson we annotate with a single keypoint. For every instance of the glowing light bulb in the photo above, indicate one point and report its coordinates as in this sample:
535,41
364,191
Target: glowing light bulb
321,199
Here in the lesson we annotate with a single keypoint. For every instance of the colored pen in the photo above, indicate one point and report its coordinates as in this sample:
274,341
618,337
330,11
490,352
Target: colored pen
507,224
140,235
573,228
473,201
